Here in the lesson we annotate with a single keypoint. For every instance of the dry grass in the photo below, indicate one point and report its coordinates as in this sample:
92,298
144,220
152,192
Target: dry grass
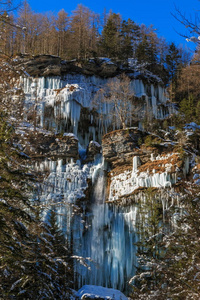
160,165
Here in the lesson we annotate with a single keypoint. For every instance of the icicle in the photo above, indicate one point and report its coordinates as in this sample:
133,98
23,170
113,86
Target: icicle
136,163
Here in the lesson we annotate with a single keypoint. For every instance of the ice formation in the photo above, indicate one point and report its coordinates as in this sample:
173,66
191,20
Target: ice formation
128,181
59,103
103,234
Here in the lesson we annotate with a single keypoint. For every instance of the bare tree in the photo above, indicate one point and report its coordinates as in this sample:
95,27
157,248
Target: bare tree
119,95
191,24
62,22
83,32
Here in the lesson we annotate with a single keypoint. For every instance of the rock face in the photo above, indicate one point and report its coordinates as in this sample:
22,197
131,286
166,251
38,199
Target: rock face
39,144
93,149
138,161
48,65
119,146
101,67
41,65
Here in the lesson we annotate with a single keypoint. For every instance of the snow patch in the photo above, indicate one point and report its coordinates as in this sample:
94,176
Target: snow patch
99,292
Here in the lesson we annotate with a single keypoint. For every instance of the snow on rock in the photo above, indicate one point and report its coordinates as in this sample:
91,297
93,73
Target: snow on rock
192,126
70,135
99,292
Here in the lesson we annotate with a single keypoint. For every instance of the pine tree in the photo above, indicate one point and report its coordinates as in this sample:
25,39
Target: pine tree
15,212
35,262
188,110
143,51
110,38
129,35
149,245
172,60
62,252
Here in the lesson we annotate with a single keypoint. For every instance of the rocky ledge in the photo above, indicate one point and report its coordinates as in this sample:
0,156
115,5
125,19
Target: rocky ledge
38,144
139,160
48,65
119,146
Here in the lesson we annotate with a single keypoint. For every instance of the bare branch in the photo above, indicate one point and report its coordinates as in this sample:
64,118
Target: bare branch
192,25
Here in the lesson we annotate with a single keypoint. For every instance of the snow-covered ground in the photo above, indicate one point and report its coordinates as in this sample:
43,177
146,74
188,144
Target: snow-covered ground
99,292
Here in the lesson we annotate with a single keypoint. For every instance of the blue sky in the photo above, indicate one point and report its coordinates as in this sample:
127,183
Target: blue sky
156,12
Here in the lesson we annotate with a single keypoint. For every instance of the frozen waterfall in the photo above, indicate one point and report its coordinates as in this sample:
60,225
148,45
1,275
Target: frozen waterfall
103,234
70,104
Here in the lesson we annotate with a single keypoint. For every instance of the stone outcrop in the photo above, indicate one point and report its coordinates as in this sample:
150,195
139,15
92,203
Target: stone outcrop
38,144
120,146
93,149
49,65
100,67
139,160
41,65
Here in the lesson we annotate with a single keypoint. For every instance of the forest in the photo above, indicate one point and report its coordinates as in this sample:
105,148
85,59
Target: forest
82,34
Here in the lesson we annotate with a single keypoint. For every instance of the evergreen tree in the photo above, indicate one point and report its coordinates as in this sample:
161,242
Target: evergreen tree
62,252
129,36
188,110
172,61
31,266
149,245
146,52
34,258
110,38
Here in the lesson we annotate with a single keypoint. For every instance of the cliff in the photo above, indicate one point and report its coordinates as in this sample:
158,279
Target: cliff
49,65
138,161
85,159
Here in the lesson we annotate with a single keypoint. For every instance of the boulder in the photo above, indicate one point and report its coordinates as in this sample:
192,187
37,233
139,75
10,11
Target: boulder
108,69
93,149
101,67
41,145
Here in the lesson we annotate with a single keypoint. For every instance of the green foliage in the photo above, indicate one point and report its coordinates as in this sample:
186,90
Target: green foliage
188,109
165,124
151,141
173,59
149,245
110,39
129,34
147,50
143,51
140,141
